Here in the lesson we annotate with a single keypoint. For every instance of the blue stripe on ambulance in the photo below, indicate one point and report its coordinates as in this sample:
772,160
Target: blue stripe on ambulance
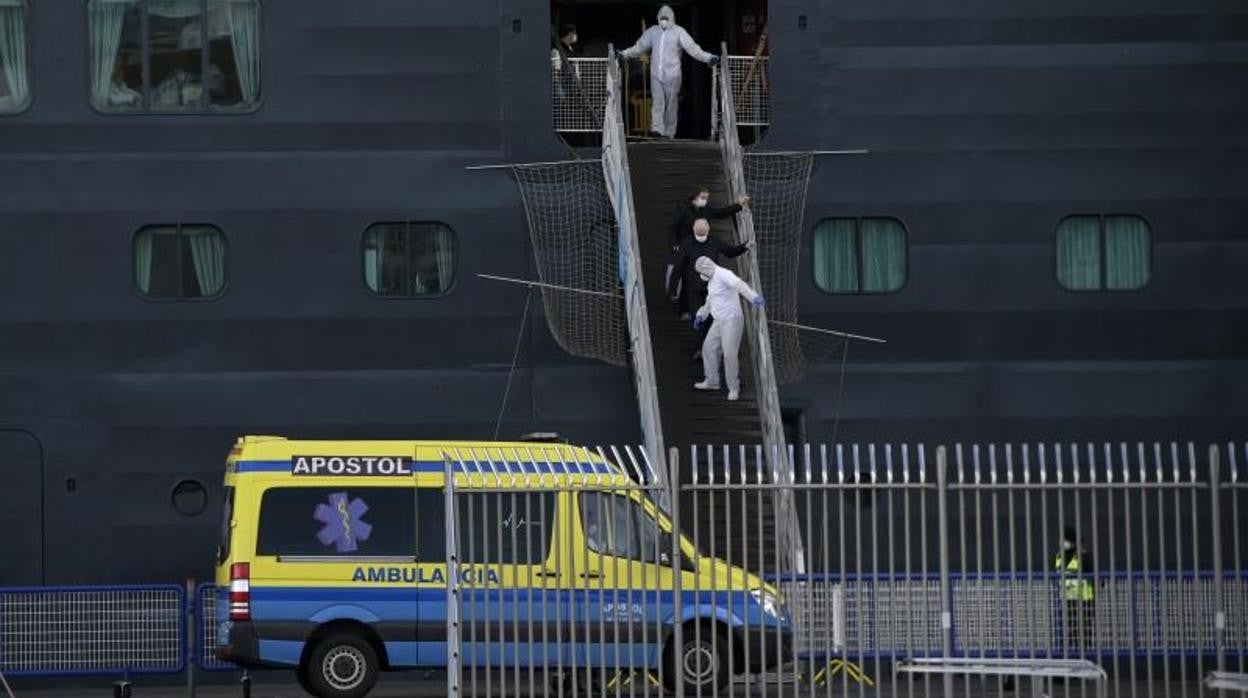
581,613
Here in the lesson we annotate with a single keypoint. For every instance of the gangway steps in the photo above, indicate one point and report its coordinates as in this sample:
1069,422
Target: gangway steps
665,174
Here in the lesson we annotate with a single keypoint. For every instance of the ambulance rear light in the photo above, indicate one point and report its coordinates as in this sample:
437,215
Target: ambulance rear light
240,591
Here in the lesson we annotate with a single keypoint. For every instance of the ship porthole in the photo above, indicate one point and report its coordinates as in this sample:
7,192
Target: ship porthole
189,498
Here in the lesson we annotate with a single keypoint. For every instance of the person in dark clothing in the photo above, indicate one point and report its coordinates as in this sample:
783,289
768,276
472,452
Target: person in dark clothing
681,230
700,244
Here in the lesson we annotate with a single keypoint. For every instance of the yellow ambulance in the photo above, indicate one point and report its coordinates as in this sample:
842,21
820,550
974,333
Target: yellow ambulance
333,561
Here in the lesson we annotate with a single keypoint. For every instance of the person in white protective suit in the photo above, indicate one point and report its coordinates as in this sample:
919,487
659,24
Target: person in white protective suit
722,304
665,42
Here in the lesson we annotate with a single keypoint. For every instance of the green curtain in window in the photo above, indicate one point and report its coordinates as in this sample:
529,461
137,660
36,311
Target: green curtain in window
836,256
372,261
208,256
1079,253
444,255
245,36
883,255
13,54
1126,252
143,261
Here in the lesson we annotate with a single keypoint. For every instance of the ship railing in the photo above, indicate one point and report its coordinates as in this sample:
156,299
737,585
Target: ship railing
768,396
578,91
620,191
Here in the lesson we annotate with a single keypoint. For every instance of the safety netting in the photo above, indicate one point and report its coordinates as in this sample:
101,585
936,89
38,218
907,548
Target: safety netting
576,248
777,184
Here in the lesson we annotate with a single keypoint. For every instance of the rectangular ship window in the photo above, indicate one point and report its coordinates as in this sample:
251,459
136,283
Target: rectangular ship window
1103,253
174,55
179,261
860,255
409,260
14,58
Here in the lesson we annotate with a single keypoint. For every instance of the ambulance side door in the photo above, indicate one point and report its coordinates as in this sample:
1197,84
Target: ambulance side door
621,580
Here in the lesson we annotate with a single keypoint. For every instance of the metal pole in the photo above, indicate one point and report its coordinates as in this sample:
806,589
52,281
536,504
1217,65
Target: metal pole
946,610
673,482
192,605
452,584
1219,600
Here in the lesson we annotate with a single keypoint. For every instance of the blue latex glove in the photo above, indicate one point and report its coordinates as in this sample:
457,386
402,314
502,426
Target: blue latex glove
697,322
713,62
758,301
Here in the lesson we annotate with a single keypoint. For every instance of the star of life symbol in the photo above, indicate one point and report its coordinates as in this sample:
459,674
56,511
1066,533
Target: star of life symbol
343,525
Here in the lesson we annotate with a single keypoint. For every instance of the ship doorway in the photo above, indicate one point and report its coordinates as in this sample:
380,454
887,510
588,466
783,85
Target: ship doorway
21,517
599,23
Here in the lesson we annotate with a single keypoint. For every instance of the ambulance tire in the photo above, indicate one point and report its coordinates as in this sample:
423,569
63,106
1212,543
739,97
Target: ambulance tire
344,665
704,659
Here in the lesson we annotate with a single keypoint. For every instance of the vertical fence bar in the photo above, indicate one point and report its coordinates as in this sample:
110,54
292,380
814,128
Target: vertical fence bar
1219,590
678,642
452,583
946,610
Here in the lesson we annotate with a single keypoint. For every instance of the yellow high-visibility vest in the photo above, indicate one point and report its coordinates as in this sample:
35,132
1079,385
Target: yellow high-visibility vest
1074,586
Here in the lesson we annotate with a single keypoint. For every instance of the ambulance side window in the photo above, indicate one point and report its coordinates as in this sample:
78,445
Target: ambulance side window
346,522
505,528
615,525
227,513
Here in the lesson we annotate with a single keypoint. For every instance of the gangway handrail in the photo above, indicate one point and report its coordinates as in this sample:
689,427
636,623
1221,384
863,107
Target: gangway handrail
620,190
775,449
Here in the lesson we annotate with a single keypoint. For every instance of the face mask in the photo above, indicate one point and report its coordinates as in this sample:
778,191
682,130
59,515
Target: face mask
700,202
665,23
1067,545
571,39
704,277
699,238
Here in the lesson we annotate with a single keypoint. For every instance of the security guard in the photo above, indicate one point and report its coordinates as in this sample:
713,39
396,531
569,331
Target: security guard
1074,569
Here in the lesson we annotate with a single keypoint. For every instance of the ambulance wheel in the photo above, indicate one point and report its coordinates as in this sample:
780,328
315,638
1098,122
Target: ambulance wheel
703,661
342,666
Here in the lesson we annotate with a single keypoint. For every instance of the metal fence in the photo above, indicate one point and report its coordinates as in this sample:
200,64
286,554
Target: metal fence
578,94
92,630
911,552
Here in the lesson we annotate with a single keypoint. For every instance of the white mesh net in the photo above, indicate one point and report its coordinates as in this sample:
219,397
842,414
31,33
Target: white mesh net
751,90
576,246
578,94
777,185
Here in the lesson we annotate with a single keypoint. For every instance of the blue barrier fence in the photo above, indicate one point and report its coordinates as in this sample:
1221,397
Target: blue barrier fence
85,630
1134,614
151,629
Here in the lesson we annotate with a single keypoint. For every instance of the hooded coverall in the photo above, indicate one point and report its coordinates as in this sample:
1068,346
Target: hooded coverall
664,46
722,304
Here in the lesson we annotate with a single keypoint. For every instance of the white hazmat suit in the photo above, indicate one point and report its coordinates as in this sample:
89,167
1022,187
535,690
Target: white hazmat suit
722,304
665,41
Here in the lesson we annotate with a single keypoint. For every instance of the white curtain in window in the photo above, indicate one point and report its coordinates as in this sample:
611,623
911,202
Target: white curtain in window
13,52
104,19
208,255
245,35
444,251
143,261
